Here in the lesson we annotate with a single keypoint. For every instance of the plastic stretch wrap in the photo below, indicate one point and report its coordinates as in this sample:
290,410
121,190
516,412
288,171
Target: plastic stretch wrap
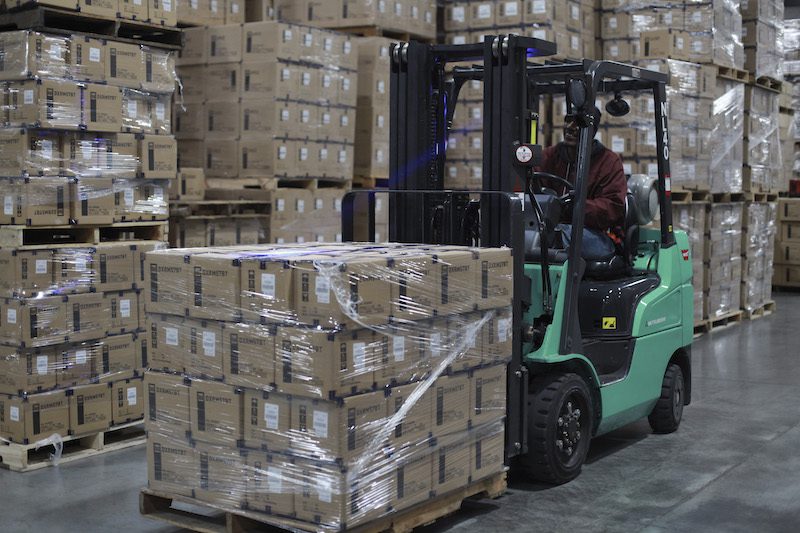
330,384
725,255
758,254
274,100
727,138
415,16
791,45
762,140
693,219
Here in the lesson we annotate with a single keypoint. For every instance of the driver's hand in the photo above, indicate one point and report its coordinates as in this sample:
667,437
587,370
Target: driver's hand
567,205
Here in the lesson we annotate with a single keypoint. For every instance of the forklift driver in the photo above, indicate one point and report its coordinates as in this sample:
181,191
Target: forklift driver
606,191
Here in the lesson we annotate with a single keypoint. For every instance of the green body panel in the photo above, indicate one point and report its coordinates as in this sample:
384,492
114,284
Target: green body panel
663,324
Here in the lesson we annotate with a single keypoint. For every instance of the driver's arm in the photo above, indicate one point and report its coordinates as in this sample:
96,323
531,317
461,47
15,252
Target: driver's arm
605,206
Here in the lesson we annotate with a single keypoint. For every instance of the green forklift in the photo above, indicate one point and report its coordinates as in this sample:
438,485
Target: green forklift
597,345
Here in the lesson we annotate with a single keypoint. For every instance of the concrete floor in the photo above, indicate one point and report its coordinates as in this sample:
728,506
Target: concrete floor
733,465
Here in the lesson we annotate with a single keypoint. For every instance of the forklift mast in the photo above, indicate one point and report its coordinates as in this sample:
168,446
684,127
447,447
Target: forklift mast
424,96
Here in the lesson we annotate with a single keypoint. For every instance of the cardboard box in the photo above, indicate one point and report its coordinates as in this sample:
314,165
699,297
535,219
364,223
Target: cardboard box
30,152
159,70
270,39
267,418
215,288
27,371
167,411
672,44
216,413
222,120
92,201
497,336
127,401
415,427
269,79
413,477
224,44
158,155
220,476
190,185
29,54
234,11
189,121
273,118
191,154
451,463
222,232
133,9
401,358
487,451
28,419
271,158
121,157
169,342
87,317
118,358
267,290
123,309
162,12
102,108
365,277
222,82
270,483
26,272
74,270
495,278
221,159
44,104
790,231
450,405
172,465
33,323
327,430
249,355
101,8
320,363
204,353
88,58
622,141
327,498
456,271
168,282
124,67
488,394
191,12
114,263
89,408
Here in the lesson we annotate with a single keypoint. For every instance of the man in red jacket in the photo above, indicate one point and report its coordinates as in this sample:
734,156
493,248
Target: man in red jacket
605,205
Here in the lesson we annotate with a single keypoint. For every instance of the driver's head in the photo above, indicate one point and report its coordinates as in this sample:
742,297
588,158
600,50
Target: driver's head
572,131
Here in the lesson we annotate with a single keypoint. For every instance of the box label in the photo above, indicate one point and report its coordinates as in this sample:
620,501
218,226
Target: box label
209,343
359,355
320,424
399,348
268,285
41,266
14,413
172,336
41,365
27,96
8,205
11,316
131,394
322,289
125,308
80,357
271,413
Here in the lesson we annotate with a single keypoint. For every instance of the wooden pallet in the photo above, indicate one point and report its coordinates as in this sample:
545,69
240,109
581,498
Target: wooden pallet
765,309
689,197
158,506
362,182
228,208
25,457
728,197
61,21
726,320
701,327
12,236
375,31
733,74
765,82
271,184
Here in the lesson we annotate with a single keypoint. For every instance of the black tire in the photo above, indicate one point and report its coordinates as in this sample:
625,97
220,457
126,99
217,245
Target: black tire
666,415
557,451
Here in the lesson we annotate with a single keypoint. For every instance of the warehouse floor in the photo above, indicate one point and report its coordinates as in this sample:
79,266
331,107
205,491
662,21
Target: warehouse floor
732,466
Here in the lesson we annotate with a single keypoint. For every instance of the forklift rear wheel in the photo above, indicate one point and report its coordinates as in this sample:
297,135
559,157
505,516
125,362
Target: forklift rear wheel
560,424
666,415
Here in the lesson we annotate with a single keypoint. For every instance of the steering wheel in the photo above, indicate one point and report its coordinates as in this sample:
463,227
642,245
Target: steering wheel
547,175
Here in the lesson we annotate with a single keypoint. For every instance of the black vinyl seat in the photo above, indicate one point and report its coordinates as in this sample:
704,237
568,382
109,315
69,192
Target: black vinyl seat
619,265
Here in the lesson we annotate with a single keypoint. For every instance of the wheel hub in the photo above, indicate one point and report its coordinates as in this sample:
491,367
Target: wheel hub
569,428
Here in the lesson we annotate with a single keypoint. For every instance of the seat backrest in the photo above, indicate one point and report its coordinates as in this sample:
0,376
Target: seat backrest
631,229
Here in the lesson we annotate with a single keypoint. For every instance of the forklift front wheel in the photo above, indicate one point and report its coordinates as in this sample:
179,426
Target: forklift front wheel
666,415
560,425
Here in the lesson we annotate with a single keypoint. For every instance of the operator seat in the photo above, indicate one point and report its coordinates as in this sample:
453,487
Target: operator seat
618,266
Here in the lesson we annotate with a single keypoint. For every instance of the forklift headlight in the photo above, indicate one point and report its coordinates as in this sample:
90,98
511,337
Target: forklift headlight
644,192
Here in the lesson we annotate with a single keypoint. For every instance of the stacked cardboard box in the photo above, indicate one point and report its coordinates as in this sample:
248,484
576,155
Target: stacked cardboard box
762,33
372,115
414,17
725,259
267,100
85,144
329,384
570,24
787,244
209,12
693,219
154,11
758,251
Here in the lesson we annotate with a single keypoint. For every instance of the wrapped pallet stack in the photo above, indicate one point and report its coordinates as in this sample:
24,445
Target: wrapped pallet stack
787,244
87,157
758,253
326,386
